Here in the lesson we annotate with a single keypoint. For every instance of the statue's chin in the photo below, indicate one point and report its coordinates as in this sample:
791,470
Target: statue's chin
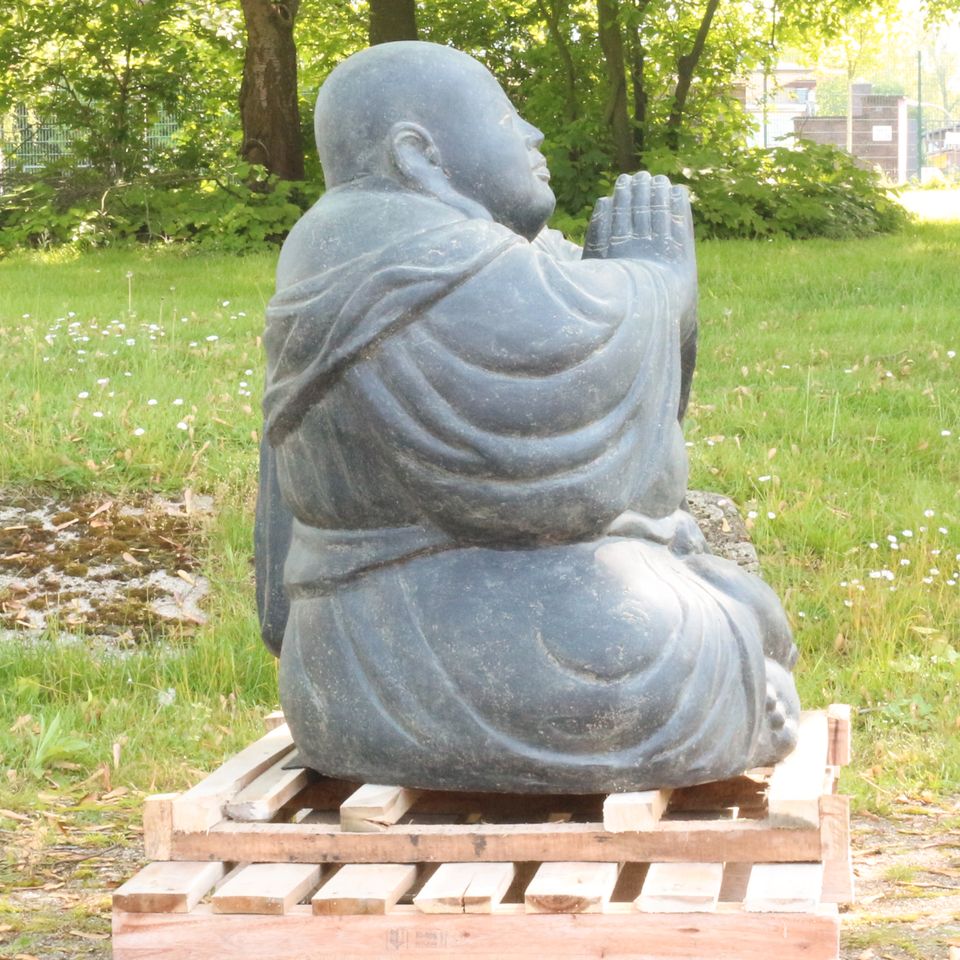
533,219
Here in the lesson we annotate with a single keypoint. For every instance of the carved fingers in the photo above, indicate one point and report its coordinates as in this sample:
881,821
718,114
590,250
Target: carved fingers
598,233
647,218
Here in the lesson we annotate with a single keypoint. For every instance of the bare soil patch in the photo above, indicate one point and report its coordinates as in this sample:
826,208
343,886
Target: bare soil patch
123,570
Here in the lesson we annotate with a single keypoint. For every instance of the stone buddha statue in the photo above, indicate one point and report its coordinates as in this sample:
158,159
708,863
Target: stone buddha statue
473,555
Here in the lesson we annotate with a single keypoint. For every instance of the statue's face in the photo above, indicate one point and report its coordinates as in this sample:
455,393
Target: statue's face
490,154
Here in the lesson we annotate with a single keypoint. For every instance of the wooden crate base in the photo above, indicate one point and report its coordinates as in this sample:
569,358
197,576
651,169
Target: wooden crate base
263,861
299,935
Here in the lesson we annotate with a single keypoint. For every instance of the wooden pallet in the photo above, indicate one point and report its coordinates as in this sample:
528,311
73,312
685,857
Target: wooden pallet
266,860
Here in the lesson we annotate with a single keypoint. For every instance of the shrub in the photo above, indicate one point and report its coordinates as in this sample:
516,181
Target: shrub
234,208
810,191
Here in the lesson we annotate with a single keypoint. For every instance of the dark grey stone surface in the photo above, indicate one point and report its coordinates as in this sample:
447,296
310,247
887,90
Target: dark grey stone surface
474,475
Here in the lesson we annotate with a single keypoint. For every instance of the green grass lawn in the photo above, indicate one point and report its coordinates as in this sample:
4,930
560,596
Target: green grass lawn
827,405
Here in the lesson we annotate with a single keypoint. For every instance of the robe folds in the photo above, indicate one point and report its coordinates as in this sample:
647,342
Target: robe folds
492,582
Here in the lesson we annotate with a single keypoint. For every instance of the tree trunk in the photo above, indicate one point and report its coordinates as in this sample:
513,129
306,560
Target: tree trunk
268,94
553,14
611,41
686,68
392,20
641,99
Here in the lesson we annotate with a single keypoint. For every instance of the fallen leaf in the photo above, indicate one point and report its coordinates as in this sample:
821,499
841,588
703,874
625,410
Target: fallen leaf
130,558
10,815
101,509
183,575
89,936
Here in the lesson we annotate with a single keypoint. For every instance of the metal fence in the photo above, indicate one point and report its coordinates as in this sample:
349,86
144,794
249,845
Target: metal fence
29,142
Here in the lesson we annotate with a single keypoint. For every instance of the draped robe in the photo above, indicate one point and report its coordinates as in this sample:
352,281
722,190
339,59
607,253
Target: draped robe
492,582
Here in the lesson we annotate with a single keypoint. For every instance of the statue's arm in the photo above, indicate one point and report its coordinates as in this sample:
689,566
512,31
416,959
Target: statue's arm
649,219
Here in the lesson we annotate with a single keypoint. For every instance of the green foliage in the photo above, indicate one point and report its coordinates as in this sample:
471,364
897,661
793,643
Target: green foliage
229,209
106,68
812,191
52,745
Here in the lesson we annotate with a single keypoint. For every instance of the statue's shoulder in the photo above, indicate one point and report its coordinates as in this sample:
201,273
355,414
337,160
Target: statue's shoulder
347,223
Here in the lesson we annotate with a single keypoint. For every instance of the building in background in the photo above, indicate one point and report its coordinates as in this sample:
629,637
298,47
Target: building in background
881,137
783,107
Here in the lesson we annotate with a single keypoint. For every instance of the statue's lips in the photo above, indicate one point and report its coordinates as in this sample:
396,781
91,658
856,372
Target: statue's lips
540,170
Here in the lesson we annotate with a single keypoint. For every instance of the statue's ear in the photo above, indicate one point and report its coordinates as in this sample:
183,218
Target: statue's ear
414,154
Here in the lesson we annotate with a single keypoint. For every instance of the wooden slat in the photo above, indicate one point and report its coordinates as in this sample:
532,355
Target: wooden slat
681,888
202,806
797,781
158,825
571,887
784,888
736,876
266,888
835,849
634,811
748,793
167,887
374,807
273,720
724,935
674,840
465,888
364,888
262,799
839,726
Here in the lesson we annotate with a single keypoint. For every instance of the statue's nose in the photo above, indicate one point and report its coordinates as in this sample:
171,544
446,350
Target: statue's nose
531,135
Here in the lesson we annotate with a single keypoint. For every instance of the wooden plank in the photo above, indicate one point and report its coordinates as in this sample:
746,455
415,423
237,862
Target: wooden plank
266,888
724,935
634,811
748,793
167,887
674,840
273,720
784,887
374,807
364,888
835,849
736,876
681,888
840,734
571,887
262,799
158,825
202,805
797,781
489,806
465,888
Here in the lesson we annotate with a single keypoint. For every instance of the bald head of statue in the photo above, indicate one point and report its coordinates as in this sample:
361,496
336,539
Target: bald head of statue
435,121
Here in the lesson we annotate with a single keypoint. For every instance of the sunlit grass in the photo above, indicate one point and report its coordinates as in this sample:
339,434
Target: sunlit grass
827,404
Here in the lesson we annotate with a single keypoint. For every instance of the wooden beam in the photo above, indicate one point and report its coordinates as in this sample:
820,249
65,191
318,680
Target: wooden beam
634,811
374,807
158,825
202,934
796,784
784,887
835,849
202,805
465,888
262,799
681,888
674,840
167,887
840,734
273,720
571,887
266,888
364,888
